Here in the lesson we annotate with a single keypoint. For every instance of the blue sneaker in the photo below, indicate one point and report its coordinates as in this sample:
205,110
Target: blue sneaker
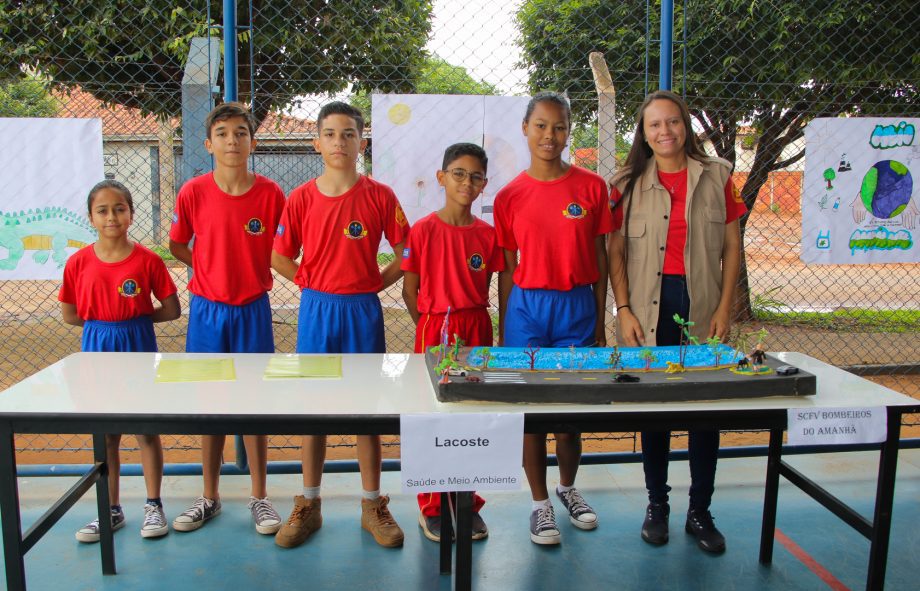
581,514
543,528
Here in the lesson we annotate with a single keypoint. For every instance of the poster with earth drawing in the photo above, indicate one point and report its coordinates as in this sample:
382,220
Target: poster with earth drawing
859,199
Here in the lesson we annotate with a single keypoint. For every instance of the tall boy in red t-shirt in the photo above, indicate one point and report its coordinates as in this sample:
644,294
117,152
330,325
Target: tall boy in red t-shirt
232,213
448,263
336,222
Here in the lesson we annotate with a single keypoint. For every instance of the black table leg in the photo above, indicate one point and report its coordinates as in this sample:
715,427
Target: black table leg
13,556
447,533
884,501
463,576
103,505
771,493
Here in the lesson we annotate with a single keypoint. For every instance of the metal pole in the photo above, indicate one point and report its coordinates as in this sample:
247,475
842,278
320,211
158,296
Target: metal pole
665,64
230,82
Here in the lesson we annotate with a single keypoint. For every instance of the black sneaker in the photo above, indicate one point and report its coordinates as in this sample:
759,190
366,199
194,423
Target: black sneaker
699,524
655,526
431,526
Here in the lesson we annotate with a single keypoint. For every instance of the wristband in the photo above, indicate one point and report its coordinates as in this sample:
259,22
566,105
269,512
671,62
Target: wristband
621,307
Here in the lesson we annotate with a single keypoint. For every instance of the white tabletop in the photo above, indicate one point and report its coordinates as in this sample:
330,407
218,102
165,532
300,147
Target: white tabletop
391,384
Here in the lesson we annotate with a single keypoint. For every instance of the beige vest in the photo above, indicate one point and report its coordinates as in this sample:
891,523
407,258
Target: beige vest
647,234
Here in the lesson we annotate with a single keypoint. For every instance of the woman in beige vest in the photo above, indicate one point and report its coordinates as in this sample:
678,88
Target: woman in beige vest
675,249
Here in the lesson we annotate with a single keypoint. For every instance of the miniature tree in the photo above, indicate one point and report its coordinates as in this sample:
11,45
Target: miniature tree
486,356
685,337
572,356
614,361
649,357
829,175
714,346
531,353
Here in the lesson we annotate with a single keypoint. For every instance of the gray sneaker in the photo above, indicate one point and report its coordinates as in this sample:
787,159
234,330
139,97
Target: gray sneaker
89,533
263,513
581,514
543,528
154,521
195,516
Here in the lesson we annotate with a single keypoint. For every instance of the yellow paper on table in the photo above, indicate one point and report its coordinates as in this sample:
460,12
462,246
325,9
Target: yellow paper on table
285,367
196,370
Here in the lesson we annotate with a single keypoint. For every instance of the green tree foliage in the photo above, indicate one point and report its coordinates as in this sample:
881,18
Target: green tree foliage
775,64
28,97
132,52
435,76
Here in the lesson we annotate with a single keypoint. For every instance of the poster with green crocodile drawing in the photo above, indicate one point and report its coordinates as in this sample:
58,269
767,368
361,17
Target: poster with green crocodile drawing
46,172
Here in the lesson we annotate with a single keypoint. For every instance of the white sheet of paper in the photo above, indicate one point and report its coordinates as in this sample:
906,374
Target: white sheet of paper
830,426
461,452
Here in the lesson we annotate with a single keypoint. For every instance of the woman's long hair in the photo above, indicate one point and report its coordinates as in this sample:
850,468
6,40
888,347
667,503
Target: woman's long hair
641,153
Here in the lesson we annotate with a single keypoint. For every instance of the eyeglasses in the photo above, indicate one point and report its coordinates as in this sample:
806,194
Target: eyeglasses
461,175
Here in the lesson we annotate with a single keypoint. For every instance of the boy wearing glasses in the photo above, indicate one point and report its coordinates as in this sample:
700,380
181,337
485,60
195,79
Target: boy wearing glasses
448,264
335,223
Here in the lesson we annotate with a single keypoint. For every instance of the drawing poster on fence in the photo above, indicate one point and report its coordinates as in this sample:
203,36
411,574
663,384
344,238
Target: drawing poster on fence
46,171
411,131
860,201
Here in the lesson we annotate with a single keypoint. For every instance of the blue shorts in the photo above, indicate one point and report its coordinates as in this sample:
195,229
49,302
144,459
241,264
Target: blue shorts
550,318
214,327
335,323
135,335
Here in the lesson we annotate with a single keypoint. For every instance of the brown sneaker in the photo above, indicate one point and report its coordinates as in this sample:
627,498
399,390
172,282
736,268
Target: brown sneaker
305,519
376,518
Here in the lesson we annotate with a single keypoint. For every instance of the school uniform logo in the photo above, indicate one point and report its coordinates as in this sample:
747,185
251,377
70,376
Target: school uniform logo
255,227
400,216
406,252
736,194
476,262
355,230
129,288
574,211
175,217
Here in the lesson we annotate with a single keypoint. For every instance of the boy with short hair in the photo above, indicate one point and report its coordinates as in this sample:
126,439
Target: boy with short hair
448,264
336,222
232,213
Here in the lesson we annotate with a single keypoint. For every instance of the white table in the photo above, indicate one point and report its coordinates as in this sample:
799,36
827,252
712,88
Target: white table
103,393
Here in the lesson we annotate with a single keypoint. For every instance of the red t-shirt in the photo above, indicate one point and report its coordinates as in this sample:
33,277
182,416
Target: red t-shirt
113,292
675,183
339,236
554,224
231,256
454,263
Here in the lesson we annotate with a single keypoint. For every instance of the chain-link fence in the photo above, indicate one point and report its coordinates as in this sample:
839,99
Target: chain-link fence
754,74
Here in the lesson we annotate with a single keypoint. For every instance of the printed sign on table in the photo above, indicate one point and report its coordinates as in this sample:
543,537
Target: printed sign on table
461,452
831,426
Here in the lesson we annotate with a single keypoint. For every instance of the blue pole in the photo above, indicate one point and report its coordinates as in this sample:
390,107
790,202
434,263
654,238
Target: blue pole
230,82
666,62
